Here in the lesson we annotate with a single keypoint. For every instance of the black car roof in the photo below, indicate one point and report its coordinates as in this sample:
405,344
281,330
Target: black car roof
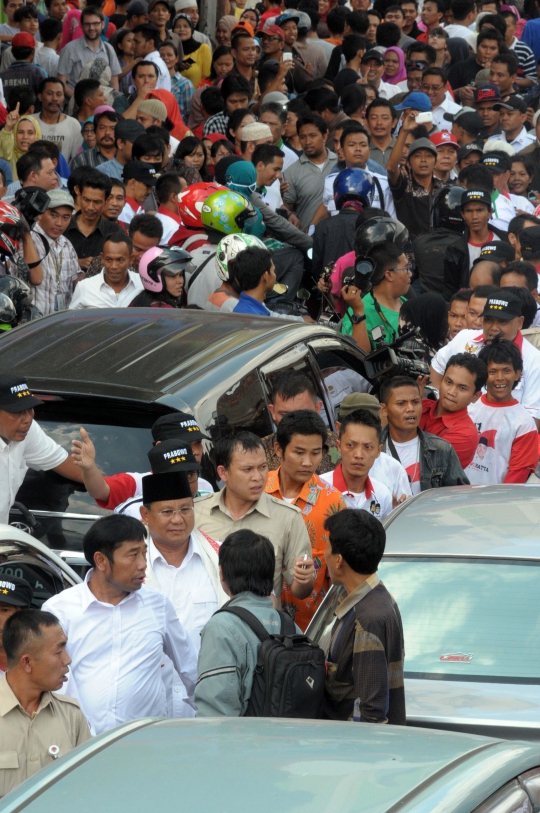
141,354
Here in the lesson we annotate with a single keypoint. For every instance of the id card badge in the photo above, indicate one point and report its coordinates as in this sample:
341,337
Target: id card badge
60,302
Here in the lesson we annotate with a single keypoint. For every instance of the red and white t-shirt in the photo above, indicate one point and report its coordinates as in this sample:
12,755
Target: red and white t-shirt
131,208
170,221
508,444
409,457
375,497
476,248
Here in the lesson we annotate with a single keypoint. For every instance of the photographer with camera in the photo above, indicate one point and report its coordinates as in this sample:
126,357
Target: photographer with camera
16,241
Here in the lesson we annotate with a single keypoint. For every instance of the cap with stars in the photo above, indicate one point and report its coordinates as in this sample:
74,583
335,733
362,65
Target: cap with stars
15,395
15,591
172,455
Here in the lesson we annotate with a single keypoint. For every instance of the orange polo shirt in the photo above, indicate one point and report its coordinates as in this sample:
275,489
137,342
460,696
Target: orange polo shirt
317,501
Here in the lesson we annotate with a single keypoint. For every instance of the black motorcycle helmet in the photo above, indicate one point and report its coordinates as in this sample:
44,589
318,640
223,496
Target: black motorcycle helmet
18,292
8,314
446,211
379,230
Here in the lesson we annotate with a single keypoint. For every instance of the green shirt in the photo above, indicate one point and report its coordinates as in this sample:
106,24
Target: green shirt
390,322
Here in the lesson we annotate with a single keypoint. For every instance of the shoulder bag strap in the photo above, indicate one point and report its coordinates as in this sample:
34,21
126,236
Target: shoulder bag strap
201,267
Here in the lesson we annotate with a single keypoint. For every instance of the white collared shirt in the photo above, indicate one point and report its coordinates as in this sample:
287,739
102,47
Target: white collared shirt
522,140
117,653
36,451
96,293
448,106
164,77
388,91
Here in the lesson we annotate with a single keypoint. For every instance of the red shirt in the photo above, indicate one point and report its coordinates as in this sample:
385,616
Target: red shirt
456,428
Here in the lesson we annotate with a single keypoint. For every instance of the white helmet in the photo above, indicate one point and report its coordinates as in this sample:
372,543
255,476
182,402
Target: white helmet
229,247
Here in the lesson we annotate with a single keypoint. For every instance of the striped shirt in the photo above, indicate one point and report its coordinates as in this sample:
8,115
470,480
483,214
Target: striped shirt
88,158
526,60
216,124
60,271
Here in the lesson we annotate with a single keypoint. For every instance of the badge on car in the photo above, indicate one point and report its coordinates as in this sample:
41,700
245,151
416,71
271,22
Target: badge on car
457,657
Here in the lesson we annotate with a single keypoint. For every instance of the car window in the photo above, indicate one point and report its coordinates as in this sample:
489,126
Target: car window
341,371
297,358
243,406
509,799
20,560
455,622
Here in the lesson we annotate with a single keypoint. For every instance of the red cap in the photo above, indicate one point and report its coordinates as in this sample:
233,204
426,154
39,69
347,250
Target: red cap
23,40
243,25
272,31
444,137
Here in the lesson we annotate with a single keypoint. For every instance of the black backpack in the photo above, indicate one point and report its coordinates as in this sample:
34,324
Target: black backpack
290,673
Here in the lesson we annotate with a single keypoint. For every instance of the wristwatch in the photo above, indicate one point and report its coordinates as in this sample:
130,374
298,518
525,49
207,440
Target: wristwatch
355,319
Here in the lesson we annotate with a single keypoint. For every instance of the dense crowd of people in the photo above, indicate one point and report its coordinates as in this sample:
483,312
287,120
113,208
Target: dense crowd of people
383,155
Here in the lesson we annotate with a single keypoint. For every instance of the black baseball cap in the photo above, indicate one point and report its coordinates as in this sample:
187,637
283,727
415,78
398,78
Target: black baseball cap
15,591
172,455
469,120
140,171
474,146
530,242
177,425
512,102
128,130
372,54
15,395
497,251
475,196
497,163
505,306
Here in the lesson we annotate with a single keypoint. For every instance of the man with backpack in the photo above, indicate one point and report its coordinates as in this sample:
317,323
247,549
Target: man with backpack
243,671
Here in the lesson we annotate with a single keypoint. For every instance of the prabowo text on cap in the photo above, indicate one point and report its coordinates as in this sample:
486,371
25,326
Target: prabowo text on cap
15,591
15,395
503,306
177,425
171,455
476,195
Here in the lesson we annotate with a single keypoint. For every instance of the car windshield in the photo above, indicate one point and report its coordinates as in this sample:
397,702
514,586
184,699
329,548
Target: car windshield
465,619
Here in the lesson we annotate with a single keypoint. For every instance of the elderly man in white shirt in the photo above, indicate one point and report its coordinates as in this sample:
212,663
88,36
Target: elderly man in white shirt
182,563
23,444
115,286
119,630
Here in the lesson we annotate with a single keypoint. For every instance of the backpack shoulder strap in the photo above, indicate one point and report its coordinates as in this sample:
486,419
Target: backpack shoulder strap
198,270
288,626
252,621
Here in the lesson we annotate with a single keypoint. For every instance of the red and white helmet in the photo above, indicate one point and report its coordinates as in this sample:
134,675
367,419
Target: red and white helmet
159,260
10,237
190,202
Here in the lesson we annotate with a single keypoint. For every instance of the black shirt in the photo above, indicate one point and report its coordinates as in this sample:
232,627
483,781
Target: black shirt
92,245
464,73
413,203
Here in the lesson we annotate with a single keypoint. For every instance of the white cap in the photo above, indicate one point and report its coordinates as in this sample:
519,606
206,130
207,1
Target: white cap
499,146
180,5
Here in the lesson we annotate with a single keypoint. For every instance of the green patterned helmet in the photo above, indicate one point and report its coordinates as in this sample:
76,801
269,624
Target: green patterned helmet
229,247
227,212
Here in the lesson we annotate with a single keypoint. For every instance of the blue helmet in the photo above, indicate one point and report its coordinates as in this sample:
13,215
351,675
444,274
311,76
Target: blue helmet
353,184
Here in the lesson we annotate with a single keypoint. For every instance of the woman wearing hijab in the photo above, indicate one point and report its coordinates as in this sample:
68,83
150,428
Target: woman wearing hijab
197,55
224,29
179,129
394,66
458,49
17,136
429,312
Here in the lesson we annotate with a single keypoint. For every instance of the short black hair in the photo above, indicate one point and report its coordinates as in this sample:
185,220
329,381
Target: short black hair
388,34
96,180
386,258
149,32
25,13
380,102
144,63
225,447
322,99
352,97
110,115
247,562
461,9
92,11
496,21
160,132
528,303
275,108
477,176
30,161
363,417
312,118
146,144
148,225
358,537
501,351
265,154
525,270
291,383
49,29
335,20
50,80
358,22
351,44
300,422
463,295
349,127
21,52
298,107
22,96
166,185
222,142
85,88
434,71
109,533
21,628
489,34
473,364
517,224
421,48
390,384
250,265
119,237
212,100
510,60
50,147
267,73
235,84
485,291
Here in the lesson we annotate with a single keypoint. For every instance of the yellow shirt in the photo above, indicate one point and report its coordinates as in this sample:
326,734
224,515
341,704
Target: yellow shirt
203,64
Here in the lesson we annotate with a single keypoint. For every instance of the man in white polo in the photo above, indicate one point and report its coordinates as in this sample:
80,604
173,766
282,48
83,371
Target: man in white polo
23,444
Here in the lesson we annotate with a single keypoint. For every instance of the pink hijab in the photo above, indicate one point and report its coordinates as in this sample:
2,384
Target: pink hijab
402,72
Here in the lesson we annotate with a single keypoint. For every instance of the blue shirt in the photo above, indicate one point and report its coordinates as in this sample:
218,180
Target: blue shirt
112,168
531,37
246,304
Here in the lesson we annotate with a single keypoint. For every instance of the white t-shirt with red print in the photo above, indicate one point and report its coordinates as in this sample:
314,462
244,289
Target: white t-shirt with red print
409,456
508,446
375,498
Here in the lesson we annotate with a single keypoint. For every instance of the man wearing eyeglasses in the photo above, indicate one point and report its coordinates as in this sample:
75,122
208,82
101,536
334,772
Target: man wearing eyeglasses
77,53
434,86
182,563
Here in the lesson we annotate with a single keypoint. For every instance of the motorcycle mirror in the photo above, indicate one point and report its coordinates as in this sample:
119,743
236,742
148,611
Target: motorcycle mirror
280,288
303,294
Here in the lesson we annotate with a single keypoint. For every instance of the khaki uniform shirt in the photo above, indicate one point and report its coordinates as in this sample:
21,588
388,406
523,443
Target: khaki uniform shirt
25,740
280,522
